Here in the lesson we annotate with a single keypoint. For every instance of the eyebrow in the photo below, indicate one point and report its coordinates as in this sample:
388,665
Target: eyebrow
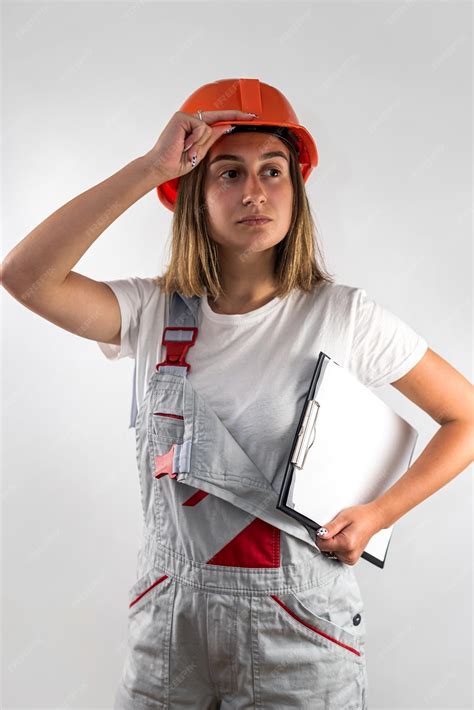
239,158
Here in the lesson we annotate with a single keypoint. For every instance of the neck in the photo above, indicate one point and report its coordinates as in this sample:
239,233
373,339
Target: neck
248,282
244,300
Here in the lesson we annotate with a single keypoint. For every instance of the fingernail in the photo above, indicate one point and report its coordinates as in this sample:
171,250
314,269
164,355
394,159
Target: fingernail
251,114
321,532
229,129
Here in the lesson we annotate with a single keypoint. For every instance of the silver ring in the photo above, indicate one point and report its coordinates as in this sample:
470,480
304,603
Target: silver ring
199,115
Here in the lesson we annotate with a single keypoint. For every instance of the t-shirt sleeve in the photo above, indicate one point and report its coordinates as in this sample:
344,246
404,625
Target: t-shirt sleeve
384,347
132,294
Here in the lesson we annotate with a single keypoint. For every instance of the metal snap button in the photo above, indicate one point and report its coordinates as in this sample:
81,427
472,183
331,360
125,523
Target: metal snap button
356,620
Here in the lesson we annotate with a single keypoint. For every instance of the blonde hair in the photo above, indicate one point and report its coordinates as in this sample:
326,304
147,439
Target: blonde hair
194,263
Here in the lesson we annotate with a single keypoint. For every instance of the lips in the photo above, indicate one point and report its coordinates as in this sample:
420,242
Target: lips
255,220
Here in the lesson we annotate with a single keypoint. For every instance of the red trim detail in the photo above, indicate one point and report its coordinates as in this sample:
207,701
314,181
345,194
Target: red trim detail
257,545
313,628
196,498
164,464
176,349
167,414
158,581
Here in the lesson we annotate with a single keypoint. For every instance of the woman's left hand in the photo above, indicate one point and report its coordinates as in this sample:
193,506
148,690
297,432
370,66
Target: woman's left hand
349,532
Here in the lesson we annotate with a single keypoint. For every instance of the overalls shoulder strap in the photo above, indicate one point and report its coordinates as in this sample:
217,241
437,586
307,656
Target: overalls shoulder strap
183,310
180,335
180,326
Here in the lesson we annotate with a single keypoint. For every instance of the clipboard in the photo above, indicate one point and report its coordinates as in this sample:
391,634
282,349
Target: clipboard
349,448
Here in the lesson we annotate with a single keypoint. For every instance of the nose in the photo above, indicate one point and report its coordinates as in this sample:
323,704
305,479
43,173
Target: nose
253,189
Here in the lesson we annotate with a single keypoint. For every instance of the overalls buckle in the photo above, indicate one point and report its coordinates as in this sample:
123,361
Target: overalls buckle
177,347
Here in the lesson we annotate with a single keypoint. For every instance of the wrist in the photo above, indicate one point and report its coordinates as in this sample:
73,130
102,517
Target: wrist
380,514
151,165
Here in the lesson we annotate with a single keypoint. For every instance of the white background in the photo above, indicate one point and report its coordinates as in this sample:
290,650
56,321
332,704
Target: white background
385,89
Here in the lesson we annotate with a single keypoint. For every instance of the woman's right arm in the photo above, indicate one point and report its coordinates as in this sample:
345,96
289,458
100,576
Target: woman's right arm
38,270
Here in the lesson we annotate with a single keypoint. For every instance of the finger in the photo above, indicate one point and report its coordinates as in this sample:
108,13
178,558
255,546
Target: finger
322,532
334,526
199,135
198,149
201,147
327,545
203,135
331,540
213,136
193,121
224,115
329,548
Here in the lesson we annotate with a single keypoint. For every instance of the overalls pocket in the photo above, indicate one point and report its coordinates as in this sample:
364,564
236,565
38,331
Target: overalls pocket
301,652
345,607
167,427
166,417
321,630
144,587
146,669
338,608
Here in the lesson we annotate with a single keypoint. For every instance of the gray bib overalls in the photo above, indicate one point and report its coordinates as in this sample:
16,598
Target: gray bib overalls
234,606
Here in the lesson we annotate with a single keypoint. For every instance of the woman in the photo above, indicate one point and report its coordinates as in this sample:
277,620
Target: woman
234,604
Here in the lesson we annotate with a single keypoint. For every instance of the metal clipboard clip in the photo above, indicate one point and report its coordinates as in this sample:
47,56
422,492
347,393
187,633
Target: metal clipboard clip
306,434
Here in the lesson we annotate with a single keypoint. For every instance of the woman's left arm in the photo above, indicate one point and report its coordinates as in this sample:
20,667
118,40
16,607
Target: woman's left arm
448,397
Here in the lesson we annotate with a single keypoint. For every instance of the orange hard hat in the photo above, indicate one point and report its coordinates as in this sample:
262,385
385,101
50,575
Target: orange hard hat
254,96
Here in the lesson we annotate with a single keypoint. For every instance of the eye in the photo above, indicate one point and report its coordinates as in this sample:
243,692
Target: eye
234,170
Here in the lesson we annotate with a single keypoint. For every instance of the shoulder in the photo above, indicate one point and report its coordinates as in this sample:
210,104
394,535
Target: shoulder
146,288
337,295
150,292
139,292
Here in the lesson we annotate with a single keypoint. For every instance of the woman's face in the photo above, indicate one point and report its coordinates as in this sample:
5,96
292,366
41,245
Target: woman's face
240,180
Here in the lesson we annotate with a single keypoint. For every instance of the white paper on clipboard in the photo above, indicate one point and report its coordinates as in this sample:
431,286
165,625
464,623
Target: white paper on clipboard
359,448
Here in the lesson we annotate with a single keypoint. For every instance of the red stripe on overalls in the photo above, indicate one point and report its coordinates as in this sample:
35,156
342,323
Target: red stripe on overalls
257,545
148,589
196,498
167,414
313,628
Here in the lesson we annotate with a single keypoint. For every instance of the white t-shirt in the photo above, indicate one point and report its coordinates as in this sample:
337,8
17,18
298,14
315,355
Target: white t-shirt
254,368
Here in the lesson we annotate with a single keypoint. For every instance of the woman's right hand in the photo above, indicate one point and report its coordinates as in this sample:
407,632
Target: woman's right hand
171,156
